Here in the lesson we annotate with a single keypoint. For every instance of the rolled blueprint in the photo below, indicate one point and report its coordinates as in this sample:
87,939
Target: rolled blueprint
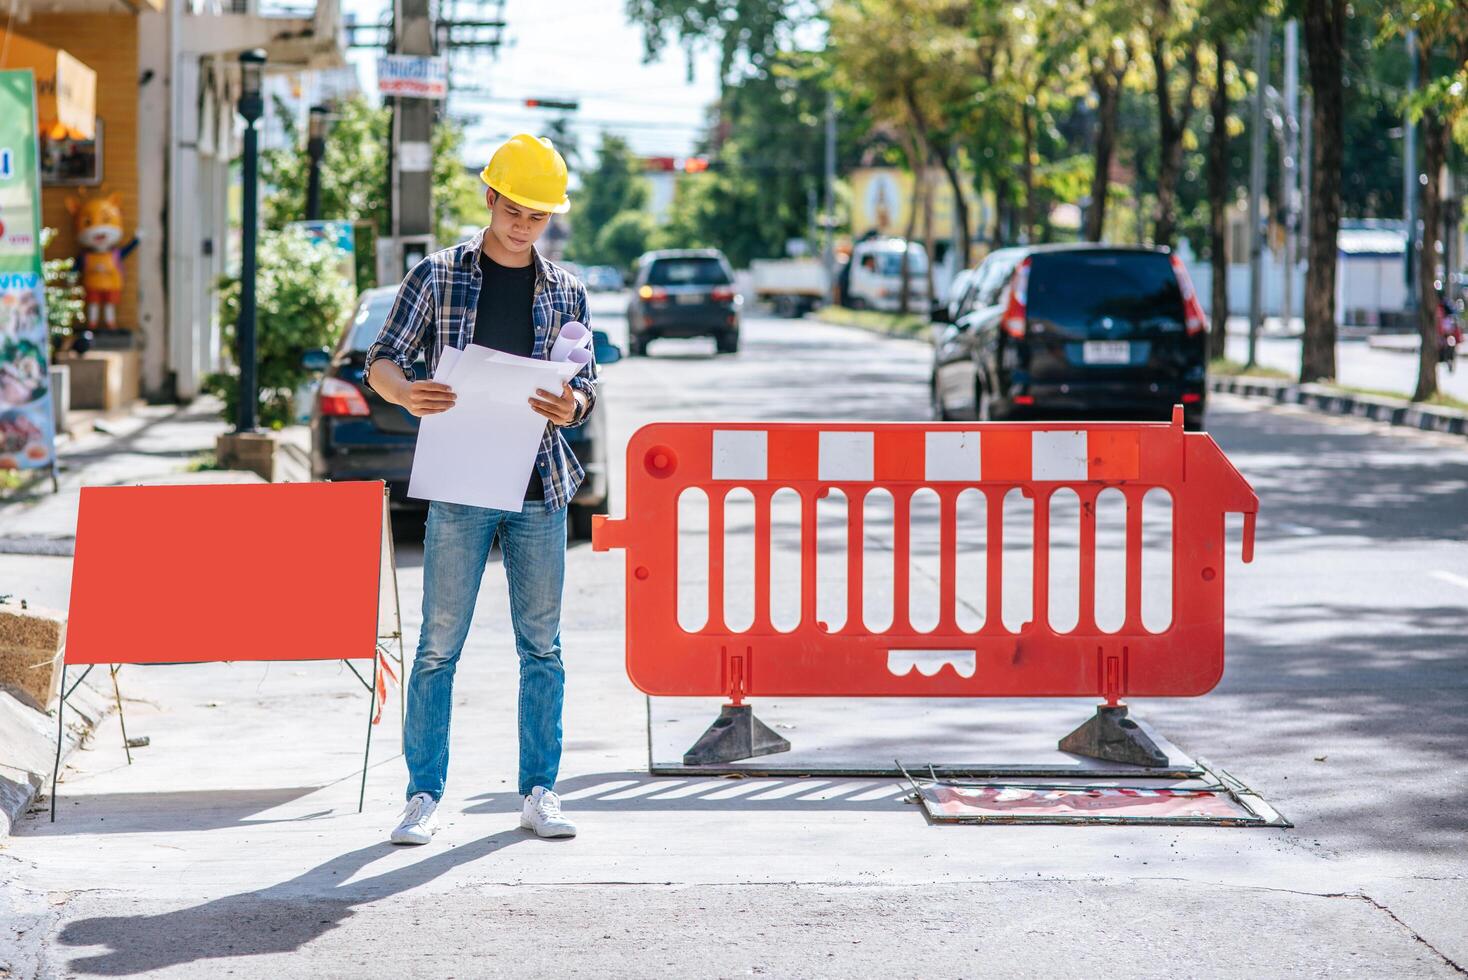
574,336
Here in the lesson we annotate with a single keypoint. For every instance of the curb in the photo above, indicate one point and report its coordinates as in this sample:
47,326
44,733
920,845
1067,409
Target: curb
1333,401
29,740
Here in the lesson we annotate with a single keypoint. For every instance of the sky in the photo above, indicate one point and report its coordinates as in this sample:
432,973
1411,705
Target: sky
573,49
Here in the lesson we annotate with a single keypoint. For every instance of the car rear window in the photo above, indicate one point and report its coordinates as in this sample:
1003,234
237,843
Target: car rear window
1075,289
367,324
687,272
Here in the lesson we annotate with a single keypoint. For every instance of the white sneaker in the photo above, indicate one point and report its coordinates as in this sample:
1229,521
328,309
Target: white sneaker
420,820
542,814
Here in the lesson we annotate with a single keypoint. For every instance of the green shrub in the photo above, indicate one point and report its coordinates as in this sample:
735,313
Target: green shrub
301,304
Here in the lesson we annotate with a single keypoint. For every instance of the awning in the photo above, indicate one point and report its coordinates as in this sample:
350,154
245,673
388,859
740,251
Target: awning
66,89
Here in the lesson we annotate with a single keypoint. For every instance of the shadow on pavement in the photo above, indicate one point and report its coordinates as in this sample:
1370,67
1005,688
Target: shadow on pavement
195,810
279,919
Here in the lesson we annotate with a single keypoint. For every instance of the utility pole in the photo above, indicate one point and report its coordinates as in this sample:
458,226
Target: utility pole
1291,166
411,156
830,202
1256,190
1409,174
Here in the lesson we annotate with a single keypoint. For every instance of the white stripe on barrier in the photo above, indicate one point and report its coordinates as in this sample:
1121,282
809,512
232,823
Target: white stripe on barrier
740,454
1058,456
845,456
951,456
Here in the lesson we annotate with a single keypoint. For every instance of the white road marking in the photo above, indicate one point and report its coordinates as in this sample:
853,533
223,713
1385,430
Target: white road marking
1460,581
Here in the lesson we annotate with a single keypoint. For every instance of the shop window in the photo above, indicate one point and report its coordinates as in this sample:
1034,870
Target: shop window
72,163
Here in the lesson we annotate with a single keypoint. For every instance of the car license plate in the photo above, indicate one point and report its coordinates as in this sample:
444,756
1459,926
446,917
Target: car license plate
1106,352
688,299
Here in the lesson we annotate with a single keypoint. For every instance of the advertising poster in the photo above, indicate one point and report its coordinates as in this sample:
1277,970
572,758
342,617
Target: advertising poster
27,433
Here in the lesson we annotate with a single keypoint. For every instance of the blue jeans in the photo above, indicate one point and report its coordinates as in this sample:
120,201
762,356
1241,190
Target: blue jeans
455,550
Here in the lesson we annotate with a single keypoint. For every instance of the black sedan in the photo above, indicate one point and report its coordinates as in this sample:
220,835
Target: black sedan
358,435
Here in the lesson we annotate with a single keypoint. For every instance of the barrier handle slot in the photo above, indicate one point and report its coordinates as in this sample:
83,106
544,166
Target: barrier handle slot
1249,516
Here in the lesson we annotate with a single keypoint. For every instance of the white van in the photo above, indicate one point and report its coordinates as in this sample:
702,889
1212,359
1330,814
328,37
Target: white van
876,276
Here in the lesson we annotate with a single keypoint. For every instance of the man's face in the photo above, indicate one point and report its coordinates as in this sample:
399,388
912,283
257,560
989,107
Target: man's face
515,226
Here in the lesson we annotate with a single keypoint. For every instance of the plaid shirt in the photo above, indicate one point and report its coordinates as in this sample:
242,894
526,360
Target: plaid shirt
436,306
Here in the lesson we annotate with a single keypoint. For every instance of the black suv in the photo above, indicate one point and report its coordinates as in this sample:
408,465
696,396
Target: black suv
1069,330
683,293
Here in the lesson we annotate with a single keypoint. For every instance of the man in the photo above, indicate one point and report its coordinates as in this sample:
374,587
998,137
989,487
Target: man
494,290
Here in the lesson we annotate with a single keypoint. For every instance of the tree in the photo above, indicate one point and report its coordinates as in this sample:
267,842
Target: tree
1108,66
1170,35
1324,22
744,31
614,185
1438,108
621,240
302,302
354,175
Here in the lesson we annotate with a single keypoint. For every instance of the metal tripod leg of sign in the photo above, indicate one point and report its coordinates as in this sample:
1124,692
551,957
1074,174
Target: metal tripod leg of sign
121,718
66,692
371,717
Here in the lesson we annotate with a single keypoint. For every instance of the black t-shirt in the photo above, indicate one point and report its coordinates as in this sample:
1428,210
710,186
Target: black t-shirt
503,321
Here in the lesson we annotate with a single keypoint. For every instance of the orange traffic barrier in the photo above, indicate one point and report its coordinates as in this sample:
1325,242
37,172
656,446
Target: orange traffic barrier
811,657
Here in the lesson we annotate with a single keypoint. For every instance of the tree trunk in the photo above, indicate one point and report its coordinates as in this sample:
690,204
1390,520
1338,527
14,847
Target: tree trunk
1000,235
1170,129
1027,170
1434,152
915,164
1325,22
960,204
1107,82
1218,206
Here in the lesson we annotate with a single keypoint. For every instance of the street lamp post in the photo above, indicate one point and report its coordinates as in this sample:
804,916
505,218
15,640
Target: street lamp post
315,150
251,105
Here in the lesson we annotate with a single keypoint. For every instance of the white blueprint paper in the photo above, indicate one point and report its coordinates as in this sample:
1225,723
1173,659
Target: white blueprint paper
481,451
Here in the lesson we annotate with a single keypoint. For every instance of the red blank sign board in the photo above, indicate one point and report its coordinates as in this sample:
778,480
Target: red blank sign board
218,572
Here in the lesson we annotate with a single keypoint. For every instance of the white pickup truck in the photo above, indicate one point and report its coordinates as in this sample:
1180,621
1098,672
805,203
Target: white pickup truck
793,287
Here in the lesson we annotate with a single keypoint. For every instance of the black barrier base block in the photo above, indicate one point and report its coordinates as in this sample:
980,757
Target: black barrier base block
1109,734
737,734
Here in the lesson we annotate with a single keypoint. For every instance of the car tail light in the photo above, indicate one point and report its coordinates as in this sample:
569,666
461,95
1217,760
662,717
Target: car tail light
722,294
1024,399
1192,309
338,397
1014,313
652,293
1191,398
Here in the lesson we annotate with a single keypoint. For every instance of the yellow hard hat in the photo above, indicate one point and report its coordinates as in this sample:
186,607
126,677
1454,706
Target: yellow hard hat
529,172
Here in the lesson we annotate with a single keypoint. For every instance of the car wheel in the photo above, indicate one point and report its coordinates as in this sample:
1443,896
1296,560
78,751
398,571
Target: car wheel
1193,419
636,346
580,521
727,343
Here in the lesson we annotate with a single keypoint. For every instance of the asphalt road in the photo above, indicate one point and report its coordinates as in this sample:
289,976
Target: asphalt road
232,845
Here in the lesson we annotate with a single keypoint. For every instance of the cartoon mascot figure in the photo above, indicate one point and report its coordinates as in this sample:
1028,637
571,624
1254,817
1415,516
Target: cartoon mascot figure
98,223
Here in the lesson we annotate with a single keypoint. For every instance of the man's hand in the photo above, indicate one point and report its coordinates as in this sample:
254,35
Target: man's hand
560,409
418,397
428,398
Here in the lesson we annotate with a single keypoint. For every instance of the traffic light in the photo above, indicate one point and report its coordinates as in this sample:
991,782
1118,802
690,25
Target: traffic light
552,104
